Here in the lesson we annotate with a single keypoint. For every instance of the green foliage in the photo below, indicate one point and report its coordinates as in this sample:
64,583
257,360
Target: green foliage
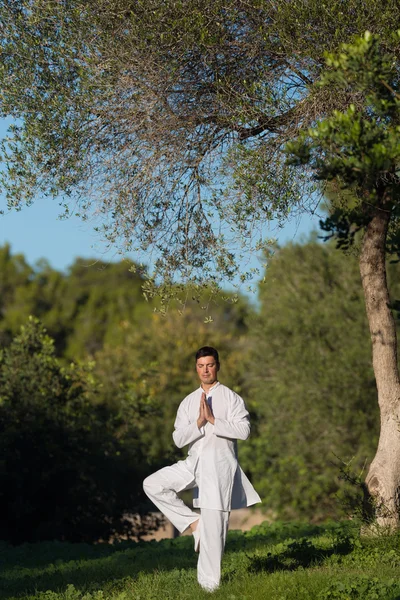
90,428
360,587
310,381
15,275
71,593
95,299
82,309
300,360
204,85
358,147
66,470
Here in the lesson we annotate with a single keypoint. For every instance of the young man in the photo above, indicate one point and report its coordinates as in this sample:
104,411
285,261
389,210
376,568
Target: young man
210,420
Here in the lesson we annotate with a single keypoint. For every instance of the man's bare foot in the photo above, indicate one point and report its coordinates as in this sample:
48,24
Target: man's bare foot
193,526
196,535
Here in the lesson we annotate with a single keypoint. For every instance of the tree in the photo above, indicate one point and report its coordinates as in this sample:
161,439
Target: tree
170,116
174,117
81,308
310,379
94,298
15,274
359,151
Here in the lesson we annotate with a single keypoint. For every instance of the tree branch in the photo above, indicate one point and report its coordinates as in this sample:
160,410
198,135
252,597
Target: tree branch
267,123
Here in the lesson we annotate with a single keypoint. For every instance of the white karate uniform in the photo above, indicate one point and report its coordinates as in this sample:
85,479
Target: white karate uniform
211,469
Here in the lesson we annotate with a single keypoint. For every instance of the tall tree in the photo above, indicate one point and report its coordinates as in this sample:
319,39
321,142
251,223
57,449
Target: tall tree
15,275
95,297
359,151
81,308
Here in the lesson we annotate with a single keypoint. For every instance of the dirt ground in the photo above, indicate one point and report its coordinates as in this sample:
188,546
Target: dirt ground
243,519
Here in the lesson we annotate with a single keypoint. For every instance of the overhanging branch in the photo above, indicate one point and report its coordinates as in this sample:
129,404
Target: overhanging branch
267,123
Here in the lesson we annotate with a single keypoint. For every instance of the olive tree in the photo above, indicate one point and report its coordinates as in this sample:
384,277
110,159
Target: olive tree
169,118
358,150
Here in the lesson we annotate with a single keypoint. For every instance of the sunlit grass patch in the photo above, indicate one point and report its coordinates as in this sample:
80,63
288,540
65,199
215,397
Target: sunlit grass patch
280,561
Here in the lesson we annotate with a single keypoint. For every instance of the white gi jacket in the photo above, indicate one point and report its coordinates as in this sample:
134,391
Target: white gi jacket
212,456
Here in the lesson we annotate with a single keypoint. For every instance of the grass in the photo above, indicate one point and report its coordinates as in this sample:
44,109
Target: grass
280,561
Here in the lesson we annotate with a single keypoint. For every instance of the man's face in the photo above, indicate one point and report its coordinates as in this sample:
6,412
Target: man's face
207,369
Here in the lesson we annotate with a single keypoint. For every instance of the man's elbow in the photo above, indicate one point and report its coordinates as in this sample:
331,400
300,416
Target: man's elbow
177,440
245,433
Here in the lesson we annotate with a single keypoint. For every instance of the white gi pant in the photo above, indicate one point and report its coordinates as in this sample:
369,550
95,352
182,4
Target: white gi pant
162,487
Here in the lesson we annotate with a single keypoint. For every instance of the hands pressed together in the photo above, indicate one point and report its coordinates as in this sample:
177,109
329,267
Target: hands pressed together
205,413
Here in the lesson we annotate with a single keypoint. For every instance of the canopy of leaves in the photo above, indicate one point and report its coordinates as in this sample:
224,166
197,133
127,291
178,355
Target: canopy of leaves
81,308
358,148
170,118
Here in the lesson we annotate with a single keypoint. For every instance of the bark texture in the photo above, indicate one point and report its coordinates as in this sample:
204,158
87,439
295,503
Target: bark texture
383,479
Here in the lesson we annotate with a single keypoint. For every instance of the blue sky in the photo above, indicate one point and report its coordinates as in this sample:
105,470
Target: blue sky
38,232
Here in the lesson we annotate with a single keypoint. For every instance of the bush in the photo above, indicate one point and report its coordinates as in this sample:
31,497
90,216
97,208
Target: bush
70,469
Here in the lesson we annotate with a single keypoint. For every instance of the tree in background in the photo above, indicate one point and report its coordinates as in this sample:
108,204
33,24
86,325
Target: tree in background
69,470
95,298
311,394
81,308
311,382
359,151
72,435
15,276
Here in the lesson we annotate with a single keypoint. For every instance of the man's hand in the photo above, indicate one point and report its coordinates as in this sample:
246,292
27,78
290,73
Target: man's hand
205,414
201,421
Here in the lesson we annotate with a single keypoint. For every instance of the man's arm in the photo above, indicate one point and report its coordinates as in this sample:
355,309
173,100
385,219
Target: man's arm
185,431
237,427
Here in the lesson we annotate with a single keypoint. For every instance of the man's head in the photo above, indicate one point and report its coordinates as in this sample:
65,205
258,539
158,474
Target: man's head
207,364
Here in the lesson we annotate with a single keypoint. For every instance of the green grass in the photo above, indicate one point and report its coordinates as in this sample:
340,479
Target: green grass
280,561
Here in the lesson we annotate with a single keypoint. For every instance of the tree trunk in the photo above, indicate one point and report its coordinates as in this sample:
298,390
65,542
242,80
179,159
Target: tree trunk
383,479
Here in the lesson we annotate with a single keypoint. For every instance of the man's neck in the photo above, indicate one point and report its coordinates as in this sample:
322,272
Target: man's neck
208,386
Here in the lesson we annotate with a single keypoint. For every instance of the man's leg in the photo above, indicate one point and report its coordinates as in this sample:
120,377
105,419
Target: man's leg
213,530
162,487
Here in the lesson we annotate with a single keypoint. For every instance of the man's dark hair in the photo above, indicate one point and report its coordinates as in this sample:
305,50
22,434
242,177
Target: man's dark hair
207,351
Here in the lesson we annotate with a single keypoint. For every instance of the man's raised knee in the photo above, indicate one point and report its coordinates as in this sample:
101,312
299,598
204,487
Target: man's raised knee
147,483
150,482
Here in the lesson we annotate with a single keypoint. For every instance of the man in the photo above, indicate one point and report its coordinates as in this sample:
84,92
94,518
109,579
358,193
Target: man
210,420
